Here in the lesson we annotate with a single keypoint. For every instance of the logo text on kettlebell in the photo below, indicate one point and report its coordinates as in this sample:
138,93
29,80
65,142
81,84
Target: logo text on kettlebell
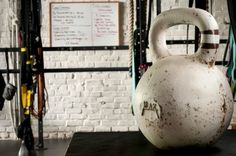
151,105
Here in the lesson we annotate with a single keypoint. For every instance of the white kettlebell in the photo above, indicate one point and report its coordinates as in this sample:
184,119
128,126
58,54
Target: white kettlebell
183,100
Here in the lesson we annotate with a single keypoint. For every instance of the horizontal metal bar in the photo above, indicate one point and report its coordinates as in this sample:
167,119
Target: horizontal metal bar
11,71
84,48
216,63
71,70
97,69
223,63
9,49
125,47
188,41
180,42
81,48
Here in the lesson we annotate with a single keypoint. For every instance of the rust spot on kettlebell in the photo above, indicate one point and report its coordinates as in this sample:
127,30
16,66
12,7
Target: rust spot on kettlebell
195,14
161,137
188,105
163,80
224,108
221,85
169,114
211,63
196,109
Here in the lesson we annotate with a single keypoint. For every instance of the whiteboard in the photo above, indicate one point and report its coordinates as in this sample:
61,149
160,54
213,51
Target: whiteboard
84,24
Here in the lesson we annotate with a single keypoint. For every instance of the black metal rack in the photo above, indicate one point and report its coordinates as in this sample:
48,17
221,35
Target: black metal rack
97,48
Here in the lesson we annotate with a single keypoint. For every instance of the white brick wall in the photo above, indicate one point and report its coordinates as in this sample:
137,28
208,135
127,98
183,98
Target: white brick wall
95,101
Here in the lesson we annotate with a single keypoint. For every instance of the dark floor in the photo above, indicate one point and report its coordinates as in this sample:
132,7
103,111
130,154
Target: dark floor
134,144
54,147
119,144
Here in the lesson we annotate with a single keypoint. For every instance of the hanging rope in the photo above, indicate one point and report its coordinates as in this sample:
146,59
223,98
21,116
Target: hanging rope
130,30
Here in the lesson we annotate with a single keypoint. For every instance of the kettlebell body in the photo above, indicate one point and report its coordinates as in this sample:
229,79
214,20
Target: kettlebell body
183,100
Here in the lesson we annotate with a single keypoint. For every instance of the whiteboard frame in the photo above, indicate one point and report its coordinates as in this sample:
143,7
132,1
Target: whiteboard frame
50,18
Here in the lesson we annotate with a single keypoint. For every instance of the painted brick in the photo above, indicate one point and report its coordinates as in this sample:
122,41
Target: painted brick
53,123
51,129
93,82
119,128
13,136
53,135
90,111
2,129
109,123
125,105
57,110
128,117
85,129
66,129
105,99
91,122
126,122
75,93
73,111
121,99
111,106
78,116
91,94
113,117
112,93
100,75
117,111
107,111
10,129
61,135
126,111
95,116
102,129
63,116
69,135
5,123
110,88
57,81
87,99
73,123
2,116
133,128
4,135
117,75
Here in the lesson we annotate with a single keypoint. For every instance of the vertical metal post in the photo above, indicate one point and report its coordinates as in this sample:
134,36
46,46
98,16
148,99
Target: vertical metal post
40,133
140,35
158,6
203,4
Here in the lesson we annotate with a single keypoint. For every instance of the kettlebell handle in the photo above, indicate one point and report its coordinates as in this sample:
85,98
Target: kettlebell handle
206,23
